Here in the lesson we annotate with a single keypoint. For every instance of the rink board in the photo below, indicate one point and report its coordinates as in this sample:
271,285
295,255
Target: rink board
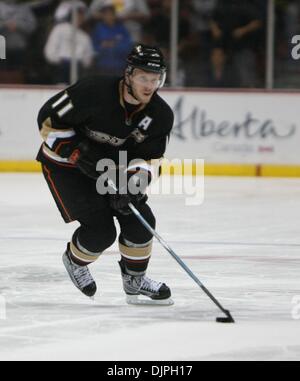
252,133
209,169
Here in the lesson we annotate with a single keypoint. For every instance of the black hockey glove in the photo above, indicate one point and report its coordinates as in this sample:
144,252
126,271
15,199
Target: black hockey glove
119,202
133,191
82,157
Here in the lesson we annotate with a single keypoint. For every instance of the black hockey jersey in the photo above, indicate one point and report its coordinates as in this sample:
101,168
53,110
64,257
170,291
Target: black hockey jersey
94,109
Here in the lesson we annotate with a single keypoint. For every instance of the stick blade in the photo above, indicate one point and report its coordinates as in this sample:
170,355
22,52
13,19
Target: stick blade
225,319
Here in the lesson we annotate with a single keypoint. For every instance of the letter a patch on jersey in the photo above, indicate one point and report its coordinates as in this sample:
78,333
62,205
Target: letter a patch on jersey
145,123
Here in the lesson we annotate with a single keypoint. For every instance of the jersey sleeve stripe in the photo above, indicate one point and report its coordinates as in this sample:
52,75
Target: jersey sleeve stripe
52,136
47,129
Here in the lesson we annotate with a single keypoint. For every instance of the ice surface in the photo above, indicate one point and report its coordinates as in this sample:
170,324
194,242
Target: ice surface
243,243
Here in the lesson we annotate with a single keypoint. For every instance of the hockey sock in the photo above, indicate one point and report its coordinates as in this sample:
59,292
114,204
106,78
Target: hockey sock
135,257
80,255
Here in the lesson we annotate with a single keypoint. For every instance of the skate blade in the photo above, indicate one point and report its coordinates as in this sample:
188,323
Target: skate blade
140,300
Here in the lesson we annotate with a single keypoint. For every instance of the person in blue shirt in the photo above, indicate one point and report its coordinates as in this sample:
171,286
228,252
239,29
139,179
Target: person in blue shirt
112,43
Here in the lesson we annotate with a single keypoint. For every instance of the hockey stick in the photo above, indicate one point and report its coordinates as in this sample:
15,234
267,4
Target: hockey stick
228,318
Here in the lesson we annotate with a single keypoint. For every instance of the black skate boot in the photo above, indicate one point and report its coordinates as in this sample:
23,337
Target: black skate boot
79,275
156,293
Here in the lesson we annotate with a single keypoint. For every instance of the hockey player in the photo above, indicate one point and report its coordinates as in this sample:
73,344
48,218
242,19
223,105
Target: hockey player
96,119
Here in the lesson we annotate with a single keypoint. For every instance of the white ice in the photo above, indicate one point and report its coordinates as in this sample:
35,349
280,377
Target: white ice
243,243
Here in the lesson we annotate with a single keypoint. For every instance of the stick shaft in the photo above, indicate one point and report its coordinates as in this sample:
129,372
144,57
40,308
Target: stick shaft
176,257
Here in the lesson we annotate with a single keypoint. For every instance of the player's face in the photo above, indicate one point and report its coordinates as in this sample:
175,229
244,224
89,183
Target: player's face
144,84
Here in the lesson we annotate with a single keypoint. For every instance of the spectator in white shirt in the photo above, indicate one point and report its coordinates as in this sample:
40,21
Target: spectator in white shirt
59,47
64,8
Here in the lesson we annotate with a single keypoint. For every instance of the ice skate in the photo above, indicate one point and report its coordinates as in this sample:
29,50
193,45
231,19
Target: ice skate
140,289
80,275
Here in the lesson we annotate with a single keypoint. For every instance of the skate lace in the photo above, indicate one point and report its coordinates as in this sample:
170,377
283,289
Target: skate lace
149,284
83,276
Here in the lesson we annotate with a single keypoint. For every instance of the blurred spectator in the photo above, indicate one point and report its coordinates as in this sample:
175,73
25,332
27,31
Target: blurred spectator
134,14
201,12
235,28
41,6
36,71
287,25
221,73
197,45
154,5
158,28
201,15
64,9
59,47
112,42
17,22
158,32
292,19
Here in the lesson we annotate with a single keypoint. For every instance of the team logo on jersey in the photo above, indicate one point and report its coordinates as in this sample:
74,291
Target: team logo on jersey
102,137
145,123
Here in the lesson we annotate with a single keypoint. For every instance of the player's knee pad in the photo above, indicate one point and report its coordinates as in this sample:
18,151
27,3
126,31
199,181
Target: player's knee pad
83,254
88,244
95,238
134,231
147,213
96,233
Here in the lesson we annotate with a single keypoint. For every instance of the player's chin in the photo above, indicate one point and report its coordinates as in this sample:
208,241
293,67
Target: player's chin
146,98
